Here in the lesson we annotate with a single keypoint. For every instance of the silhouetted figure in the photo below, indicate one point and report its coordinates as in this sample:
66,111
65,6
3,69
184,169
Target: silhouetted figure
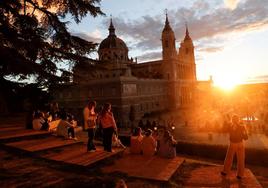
29,120
148,125
237,133
141,125
154,124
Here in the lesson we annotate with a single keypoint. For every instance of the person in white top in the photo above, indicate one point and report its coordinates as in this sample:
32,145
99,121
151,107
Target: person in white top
65,128
90,118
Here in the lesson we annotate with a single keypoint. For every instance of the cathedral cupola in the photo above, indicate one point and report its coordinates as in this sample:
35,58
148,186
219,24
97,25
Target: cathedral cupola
112,48
168,41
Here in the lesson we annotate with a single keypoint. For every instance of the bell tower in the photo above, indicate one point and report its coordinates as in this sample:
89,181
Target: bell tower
168,42
186,55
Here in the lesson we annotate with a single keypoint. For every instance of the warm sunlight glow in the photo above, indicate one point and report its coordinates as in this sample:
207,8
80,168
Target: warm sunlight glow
227,83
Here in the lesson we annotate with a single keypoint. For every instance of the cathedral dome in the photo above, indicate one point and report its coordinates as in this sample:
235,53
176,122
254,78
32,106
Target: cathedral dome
113,42
113,48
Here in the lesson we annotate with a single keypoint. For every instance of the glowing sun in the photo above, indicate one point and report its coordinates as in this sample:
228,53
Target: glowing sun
227,83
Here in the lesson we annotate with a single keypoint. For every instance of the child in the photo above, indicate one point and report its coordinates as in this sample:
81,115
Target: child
116,142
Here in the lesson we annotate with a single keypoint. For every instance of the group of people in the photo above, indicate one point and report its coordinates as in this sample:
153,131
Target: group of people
106,121
159,142
146,142
163,144
40,120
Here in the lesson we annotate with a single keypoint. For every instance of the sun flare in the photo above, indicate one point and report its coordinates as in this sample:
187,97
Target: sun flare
227,83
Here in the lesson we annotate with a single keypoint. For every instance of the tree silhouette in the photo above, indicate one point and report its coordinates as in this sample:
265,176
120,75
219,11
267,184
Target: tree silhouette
34,37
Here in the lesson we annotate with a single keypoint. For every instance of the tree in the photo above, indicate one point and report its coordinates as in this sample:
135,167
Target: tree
34,37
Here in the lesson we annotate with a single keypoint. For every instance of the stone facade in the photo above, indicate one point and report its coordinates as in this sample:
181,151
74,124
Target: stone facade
134,89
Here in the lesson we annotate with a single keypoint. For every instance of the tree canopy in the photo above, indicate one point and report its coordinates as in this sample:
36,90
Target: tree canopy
34,37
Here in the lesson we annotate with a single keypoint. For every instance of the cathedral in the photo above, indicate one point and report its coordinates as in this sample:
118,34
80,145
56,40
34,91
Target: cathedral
134,89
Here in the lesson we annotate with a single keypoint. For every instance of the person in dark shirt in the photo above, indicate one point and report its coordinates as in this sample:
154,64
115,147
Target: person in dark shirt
237,133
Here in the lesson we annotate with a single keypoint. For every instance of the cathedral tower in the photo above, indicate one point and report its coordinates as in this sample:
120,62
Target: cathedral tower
186,56
168,42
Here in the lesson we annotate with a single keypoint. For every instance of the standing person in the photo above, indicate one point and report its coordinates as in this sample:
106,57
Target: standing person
237,133
108,124
90,124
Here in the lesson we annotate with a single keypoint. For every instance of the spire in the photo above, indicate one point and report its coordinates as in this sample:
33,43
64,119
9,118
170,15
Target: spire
167,26
187,36
167,22
186,27
111,28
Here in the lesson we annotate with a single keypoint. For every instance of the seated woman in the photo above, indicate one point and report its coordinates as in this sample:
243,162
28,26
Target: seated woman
148,144
135,141
65,128
39,123
167,145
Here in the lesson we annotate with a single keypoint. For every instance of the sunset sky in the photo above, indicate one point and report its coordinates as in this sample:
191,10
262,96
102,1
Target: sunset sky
230,36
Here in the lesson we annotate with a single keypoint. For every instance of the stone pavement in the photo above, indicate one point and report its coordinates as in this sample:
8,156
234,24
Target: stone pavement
209,176
69,152
151,168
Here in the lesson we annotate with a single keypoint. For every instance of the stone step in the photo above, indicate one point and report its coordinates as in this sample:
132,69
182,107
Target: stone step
78,155
41,144
12,134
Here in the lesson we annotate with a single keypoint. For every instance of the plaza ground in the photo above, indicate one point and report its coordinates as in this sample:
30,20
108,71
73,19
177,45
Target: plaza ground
19,169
